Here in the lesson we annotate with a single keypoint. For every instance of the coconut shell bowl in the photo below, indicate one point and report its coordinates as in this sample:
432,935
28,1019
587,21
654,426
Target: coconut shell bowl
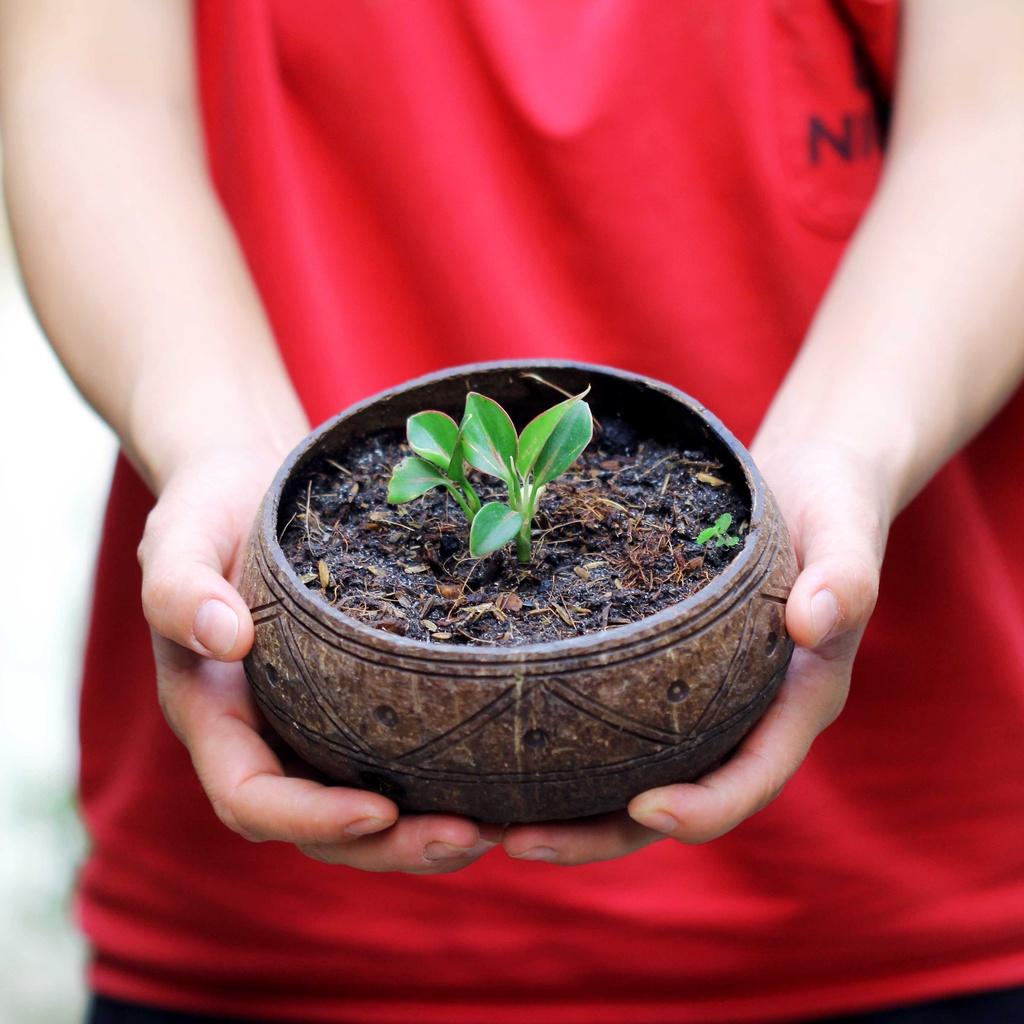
526,732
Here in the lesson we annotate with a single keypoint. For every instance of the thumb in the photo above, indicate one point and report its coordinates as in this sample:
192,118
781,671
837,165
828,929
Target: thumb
185,595
836,590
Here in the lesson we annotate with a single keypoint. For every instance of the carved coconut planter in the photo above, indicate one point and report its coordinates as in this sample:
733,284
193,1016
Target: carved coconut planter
536,731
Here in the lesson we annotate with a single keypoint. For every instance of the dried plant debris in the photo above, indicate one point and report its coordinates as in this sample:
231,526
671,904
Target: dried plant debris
614,541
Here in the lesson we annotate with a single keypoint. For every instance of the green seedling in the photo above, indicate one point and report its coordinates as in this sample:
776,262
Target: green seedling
719,533
486,440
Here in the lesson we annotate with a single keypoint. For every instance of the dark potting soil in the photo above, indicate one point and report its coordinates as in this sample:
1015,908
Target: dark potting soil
614,541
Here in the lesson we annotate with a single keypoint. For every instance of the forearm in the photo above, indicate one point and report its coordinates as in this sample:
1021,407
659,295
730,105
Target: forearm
128,258
921,336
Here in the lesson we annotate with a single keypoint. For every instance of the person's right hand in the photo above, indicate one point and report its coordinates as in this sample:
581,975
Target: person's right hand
193,545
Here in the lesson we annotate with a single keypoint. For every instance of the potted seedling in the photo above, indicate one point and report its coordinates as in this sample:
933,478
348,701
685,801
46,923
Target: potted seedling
487,441
518,592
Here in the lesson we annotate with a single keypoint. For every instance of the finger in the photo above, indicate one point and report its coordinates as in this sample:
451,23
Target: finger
603,837
185,596
811,697
210,709
421,844
835,593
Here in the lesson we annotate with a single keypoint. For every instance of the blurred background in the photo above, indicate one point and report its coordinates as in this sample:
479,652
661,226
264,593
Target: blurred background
56,459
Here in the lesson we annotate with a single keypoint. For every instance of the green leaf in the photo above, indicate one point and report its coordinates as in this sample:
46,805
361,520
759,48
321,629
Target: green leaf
493,527
456,468
536,433
432,436
457,474
570,436
719,532
411,478
488,437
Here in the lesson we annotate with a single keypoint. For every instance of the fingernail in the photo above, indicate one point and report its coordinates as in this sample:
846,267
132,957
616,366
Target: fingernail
537,853
215,627
445,851
824,615
658,821
364,826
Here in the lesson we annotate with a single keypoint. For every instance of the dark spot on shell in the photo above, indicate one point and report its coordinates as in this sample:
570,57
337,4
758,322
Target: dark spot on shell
772,642
535,739
272,675
677,692
386,715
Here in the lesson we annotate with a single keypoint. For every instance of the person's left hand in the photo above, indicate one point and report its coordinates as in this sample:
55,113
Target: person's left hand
837,512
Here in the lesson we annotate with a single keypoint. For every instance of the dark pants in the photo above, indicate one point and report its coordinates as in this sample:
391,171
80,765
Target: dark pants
1004,1007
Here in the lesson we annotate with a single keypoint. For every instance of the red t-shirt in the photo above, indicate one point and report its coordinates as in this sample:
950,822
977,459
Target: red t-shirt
665,187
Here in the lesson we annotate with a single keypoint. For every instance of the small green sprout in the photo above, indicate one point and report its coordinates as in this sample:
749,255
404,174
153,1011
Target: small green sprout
486,439
719,533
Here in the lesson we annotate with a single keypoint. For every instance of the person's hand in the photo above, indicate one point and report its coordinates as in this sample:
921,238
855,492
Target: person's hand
193,544
837,511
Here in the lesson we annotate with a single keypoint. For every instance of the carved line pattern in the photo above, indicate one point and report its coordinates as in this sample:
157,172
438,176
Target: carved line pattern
493,710
552,692
612,718
314,690
410,762
459,733
739,656
563,775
